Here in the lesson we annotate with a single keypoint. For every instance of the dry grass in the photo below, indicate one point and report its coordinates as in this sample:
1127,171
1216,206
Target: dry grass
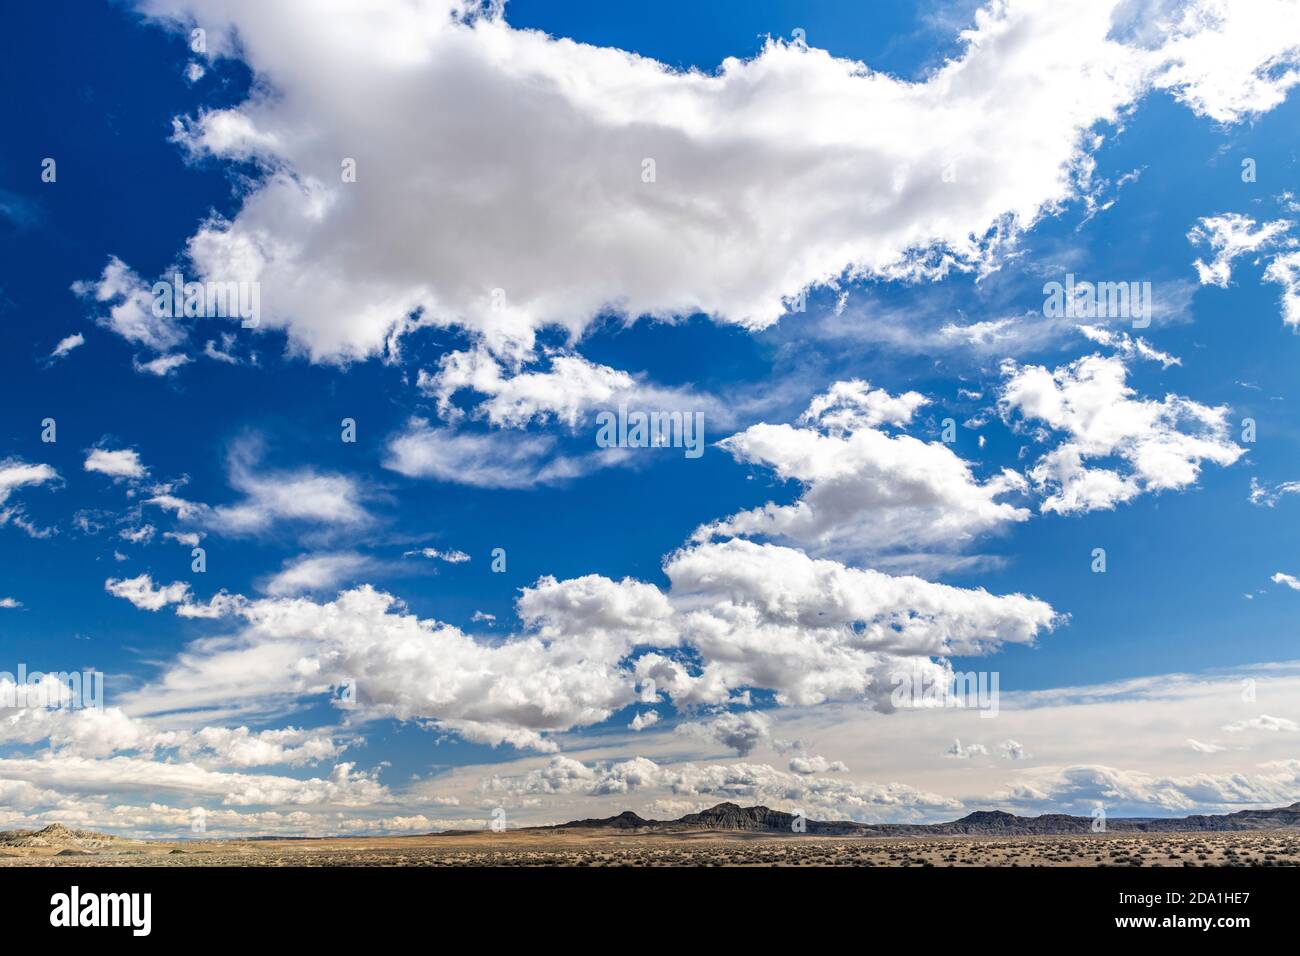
709,848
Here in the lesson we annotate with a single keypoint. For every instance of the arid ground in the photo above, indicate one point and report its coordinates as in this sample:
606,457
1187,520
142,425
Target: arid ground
707,848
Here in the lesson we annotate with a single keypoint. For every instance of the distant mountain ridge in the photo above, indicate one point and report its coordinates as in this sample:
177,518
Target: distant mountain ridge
730,816
56,835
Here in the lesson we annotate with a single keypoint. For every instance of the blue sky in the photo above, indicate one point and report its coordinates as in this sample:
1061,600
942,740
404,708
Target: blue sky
492,157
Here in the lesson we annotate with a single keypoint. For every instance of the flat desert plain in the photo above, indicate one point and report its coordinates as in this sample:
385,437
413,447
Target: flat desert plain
576,847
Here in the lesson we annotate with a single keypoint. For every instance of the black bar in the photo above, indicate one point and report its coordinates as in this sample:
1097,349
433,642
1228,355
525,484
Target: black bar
196,906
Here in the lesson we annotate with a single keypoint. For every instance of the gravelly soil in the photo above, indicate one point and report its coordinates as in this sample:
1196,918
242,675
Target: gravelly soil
577,848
